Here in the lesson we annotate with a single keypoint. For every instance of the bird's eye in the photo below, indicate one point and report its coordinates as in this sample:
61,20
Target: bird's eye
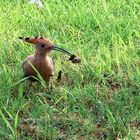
43,45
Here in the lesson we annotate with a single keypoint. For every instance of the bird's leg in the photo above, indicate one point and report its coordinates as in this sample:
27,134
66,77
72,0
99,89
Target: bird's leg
59,77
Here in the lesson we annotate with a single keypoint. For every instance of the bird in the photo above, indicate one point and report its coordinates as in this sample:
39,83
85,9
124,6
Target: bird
40,62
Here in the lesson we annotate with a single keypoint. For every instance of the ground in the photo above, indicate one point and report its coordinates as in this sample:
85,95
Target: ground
96,99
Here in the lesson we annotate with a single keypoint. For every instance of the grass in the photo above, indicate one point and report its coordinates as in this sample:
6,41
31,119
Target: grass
98,98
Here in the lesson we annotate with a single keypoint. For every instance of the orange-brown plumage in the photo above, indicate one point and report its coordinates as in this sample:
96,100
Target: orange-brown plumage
39,60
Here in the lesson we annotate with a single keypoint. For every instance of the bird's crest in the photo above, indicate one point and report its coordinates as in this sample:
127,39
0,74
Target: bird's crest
36,40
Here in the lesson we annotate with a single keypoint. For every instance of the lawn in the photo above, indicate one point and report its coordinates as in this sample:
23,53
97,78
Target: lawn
98,98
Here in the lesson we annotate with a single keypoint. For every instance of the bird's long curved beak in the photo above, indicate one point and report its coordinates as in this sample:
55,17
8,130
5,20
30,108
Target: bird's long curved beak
61,50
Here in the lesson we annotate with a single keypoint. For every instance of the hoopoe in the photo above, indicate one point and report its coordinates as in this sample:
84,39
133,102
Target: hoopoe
40,61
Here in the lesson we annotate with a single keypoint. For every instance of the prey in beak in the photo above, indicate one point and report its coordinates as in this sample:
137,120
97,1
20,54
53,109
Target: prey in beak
72,58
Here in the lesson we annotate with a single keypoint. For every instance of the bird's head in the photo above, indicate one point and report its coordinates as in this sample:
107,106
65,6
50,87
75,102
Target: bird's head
44,46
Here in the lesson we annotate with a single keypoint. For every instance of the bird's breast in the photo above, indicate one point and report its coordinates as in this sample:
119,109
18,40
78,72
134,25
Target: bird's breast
46,67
